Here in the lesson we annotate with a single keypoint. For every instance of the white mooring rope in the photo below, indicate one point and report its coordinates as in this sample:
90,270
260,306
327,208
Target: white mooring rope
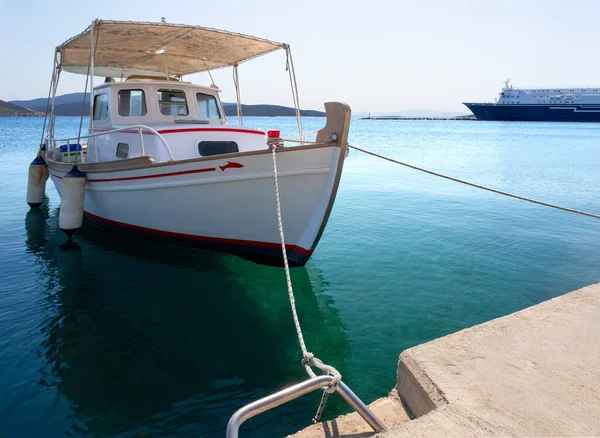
500,192
309,359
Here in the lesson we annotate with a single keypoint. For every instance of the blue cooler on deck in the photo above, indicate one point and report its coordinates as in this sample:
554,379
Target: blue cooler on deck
69,152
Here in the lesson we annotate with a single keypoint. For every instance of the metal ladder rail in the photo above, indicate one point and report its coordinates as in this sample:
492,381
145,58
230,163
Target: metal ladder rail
298,390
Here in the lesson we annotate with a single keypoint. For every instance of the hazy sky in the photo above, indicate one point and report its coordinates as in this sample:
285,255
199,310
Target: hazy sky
376,55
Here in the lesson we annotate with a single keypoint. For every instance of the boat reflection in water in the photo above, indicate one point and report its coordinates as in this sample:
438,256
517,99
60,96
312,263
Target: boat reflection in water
147,338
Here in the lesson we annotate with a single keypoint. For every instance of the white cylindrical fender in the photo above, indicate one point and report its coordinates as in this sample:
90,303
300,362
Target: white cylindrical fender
36,182
72,194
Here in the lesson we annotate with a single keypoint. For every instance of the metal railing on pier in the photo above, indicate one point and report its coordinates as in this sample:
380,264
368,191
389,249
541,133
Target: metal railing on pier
295,391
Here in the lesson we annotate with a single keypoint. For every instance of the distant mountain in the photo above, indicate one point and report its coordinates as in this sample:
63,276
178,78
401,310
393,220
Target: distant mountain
68,109
10,109
70,105
268,111
58,100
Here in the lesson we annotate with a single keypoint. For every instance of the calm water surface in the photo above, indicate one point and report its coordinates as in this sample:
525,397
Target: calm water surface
126,337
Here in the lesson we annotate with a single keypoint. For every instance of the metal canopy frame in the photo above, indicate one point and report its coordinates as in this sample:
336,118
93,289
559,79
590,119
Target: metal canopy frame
92,32
130,47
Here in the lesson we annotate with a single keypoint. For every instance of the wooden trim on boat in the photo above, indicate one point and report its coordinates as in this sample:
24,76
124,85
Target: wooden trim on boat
338,113
105,166
148,162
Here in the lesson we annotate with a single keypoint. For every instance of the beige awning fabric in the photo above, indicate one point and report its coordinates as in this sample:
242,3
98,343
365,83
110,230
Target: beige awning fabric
126,48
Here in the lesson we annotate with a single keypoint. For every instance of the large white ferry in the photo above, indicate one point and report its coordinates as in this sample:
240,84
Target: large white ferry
541,104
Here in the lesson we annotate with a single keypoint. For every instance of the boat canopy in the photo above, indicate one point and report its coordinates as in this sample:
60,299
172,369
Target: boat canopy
124,48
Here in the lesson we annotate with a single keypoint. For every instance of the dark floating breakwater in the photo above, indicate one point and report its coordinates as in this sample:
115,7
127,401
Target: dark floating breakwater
418,118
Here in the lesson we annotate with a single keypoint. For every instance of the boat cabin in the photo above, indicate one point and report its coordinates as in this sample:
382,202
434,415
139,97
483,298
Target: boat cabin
188,122
156,101
153,113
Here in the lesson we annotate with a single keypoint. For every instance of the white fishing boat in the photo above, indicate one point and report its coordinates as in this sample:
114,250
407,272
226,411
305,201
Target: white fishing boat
161,161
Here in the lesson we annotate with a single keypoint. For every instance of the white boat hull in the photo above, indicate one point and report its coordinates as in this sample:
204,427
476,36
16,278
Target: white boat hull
226,203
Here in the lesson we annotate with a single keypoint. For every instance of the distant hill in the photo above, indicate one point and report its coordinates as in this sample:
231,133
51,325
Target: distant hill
70,105
40,102
67,109
268,111
10,109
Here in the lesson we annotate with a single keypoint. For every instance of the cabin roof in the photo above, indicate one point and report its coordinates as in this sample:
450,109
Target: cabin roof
125,48
146,83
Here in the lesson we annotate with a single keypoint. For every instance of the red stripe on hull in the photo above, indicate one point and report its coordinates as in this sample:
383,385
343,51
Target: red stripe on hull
245,131
179,130
191,237
160,175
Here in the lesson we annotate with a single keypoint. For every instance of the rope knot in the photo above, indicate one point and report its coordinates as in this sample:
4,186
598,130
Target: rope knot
337,378
308,359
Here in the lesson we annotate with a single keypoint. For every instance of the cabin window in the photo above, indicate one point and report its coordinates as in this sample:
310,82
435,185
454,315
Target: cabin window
101,107
122,150
172,103
131,103
207,106
207,148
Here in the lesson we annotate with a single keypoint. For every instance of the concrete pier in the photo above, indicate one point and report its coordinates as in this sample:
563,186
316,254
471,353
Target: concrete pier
535,372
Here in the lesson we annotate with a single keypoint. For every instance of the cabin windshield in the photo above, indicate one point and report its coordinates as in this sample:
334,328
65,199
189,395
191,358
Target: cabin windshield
207,106
131,103
172,102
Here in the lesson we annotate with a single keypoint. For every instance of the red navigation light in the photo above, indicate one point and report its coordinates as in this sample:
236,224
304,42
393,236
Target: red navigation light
273,133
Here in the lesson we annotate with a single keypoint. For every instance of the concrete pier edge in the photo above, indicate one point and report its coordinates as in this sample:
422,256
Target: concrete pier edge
535,372
416,390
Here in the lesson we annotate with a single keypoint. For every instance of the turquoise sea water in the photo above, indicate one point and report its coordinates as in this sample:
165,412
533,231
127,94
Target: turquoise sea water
126,337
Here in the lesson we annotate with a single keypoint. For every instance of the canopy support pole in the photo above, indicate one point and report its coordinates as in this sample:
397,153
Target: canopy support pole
236,83
57,67
47,113
290,68
92,50
93,44
166,64
51,97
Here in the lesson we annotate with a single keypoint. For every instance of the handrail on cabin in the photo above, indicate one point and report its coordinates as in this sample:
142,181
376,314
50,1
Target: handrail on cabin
140,129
